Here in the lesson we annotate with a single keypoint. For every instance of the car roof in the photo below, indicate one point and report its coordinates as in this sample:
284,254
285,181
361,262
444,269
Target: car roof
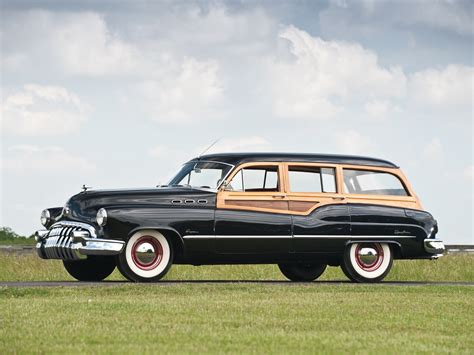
239,158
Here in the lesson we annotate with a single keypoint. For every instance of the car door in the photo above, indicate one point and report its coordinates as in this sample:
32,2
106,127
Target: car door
377,199
321,221
252,212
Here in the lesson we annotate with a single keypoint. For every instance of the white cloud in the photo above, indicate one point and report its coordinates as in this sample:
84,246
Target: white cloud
75,43
469,173
353,142
449,87
160,151
51,160
325,76
39,110
367,16
192,91
433,149
247,30
241,144
380,109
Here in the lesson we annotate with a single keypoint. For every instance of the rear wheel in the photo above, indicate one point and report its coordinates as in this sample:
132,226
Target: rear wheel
147,257
94,268
367,262
302,272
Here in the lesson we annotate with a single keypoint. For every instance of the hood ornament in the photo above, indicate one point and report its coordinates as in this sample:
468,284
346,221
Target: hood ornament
85,188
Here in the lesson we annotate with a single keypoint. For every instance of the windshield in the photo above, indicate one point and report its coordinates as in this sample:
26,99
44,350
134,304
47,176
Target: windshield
206,175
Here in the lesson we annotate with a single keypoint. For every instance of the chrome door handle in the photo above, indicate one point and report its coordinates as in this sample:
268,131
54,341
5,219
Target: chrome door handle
279,196
339,198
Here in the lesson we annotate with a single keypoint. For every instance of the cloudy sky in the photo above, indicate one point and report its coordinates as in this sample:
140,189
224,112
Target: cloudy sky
119,94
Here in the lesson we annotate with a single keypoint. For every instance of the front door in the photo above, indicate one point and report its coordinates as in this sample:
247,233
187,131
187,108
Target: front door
252,212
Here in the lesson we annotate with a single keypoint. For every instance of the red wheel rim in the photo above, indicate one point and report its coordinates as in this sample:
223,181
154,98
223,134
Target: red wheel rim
375,263
147,253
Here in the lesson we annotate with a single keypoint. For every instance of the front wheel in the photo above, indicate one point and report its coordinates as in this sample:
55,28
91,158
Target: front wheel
147,257
302,272
367,262
94,268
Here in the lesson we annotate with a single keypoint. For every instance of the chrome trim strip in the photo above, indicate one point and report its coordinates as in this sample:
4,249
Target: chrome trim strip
321,236
236,236
315,236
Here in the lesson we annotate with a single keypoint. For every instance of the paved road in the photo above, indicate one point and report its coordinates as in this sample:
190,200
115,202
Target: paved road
170,283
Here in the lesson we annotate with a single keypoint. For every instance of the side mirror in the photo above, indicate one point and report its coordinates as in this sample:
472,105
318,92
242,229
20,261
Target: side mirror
224,186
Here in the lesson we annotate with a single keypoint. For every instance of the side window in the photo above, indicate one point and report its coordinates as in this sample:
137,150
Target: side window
372,183
257,179
312,179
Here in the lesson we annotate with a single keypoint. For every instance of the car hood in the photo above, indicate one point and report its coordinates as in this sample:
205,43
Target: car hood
85,204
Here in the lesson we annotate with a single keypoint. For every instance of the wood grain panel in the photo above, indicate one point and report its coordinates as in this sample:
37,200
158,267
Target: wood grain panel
275,205
301,206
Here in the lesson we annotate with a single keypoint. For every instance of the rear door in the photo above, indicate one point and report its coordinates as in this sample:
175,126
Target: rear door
321,220
377,198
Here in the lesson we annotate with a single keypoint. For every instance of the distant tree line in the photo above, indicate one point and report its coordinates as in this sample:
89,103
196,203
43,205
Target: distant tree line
8,236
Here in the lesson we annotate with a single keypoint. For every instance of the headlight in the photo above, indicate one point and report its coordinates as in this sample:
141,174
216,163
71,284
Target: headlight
45,217
101,217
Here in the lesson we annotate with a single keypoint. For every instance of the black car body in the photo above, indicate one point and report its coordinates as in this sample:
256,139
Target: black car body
300,211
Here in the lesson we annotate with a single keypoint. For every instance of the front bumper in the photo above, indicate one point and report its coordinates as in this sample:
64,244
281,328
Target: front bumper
435,247
73,241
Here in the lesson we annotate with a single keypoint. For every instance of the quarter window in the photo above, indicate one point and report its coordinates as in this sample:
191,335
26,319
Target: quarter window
372,183
312,179
257,179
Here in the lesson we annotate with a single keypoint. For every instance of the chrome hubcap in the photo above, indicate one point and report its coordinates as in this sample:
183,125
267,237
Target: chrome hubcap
145,253
368,256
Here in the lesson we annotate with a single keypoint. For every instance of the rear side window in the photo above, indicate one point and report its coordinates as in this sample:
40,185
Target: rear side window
311,179
372,183
257,179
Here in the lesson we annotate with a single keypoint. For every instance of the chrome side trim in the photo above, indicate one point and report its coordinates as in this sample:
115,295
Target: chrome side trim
434,246
314,236
320,236
236,236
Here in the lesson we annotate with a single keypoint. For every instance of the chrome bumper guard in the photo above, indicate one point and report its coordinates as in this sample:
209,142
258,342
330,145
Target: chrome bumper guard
434,246
72,241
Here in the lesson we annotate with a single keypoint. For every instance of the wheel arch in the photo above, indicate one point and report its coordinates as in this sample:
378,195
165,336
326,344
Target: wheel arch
171,234
395,246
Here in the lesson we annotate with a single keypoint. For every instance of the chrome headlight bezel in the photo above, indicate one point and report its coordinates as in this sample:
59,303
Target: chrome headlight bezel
101,217
45,217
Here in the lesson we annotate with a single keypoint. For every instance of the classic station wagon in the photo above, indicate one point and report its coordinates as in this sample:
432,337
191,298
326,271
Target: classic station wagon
300,211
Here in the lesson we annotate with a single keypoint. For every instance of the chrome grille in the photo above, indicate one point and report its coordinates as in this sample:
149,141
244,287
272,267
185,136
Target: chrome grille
57,244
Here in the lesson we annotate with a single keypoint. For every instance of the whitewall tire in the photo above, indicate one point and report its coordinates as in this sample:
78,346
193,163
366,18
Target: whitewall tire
367,262
147,257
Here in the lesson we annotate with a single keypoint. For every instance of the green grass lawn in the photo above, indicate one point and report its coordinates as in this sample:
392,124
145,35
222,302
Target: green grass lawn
239,317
